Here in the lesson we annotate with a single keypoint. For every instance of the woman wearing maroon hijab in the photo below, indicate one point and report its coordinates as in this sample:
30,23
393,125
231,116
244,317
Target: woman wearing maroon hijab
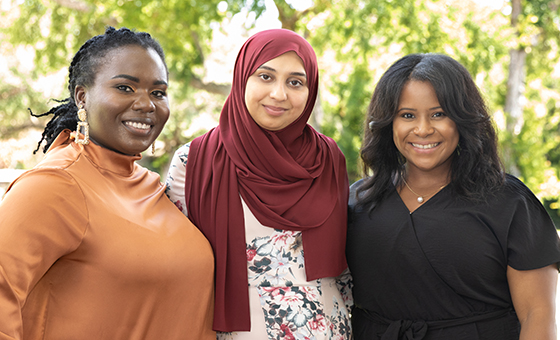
265,188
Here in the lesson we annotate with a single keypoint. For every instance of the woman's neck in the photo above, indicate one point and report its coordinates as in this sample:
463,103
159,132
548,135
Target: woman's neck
426,180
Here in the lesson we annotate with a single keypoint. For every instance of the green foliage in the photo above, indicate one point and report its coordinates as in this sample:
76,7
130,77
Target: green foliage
15,100
56,32
355,40
363,32
182,27
344,122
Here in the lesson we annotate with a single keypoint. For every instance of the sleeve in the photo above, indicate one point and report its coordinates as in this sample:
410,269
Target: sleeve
175,181
532,238
43,217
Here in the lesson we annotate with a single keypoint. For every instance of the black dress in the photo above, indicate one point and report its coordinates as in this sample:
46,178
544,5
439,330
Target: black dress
440,272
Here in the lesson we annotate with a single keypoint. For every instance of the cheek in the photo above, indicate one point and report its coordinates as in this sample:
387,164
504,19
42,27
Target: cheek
399,134
247,99
303,99
164,110
252,101
248,92
164,117
396,134
99,113
251,93
453,132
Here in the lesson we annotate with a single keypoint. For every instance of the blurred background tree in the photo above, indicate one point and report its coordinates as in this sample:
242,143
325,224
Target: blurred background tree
510,49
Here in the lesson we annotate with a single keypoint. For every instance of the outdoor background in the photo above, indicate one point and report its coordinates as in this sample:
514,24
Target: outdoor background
510,47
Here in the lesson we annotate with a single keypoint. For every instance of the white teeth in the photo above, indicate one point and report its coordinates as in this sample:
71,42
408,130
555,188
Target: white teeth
425,146
138,125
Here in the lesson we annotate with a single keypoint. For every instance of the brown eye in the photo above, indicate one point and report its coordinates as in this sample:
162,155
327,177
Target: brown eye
407,115
124,88
159,94
296,83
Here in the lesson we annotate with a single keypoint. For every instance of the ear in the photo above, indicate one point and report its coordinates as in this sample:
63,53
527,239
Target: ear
80,95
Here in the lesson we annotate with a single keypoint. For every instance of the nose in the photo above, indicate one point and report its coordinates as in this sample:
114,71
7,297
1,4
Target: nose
143,103
424,128
278,92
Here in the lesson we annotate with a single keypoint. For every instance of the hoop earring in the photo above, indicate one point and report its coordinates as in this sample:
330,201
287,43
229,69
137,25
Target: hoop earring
458,148
83,127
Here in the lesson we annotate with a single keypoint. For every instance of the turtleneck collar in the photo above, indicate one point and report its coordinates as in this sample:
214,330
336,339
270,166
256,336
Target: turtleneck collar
101,157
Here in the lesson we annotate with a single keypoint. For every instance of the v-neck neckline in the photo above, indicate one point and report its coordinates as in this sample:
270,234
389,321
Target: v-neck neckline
421,205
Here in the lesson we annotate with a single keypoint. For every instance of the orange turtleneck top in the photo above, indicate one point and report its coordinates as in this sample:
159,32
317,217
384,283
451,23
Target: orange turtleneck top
91,248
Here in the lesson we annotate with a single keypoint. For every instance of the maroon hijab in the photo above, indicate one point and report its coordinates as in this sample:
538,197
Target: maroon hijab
292,179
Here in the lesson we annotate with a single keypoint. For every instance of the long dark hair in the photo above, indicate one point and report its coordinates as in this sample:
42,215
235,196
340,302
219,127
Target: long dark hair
82,71
476,169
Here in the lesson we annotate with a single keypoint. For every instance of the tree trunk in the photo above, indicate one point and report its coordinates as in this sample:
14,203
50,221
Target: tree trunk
515,85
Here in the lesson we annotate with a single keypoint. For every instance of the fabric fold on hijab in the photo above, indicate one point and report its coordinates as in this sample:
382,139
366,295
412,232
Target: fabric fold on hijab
292,179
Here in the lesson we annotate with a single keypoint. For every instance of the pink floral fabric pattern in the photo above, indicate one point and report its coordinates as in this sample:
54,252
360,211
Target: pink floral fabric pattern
294,311
283,304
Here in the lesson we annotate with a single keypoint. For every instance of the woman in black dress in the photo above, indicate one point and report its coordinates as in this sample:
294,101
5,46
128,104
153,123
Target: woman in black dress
442,244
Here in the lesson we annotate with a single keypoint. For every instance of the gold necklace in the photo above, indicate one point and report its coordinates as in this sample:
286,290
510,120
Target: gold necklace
420,198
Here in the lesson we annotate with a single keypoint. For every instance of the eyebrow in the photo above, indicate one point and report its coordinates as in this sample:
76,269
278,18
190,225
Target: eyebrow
300,74
137,80
407,108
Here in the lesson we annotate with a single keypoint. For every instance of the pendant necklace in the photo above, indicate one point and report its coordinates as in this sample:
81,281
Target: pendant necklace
420,198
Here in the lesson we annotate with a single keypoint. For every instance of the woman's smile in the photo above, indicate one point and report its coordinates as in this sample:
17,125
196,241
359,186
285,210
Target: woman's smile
422,132
274,110
276,93
138,127
127,105
425,146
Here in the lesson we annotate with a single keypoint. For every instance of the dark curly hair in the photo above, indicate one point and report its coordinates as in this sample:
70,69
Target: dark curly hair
476,172
82,71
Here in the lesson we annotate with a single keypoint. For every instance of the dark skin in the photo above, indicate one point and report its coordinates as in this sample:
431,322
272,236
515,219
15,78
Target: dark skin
534,298
427,139
127,105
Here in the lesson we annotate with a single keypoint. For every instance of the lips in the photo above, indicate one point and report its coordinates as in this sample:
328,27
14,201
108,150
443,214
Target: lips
425,146
274,110
139,127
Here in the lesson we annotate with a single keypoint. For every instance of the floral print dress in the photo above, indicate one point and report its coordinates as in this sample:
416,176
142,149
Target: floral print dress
283,304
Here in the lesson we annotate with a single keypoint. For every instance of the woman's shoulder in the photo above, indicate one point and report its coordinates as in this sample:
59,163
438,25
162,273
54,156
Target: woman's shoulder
514,195
354,186
184,149
61,155
328,141
181,155
515,188
353,199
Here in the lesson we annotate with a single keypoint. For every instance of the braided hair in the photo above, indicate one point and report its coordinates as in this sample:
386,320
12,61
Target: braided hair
82,71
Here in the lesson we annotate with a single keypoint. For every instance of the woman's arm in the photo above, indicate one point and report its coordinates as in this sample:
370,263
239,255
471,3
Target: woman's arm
175,181
534,298
43,217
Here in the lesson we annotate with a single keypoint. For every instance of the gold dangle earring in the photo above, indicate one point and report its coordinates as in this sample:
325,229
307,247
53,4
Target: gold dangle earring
83,126
154,148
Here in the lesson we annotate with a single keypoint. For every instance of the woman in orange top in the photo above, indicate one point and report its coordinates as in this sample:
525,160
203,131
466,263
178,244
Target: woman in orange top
90,246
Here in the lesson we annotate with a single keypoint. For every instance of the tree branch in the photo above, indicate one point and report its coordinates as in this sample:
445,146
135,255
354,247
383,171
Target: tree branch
197,46
222,89
9,131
